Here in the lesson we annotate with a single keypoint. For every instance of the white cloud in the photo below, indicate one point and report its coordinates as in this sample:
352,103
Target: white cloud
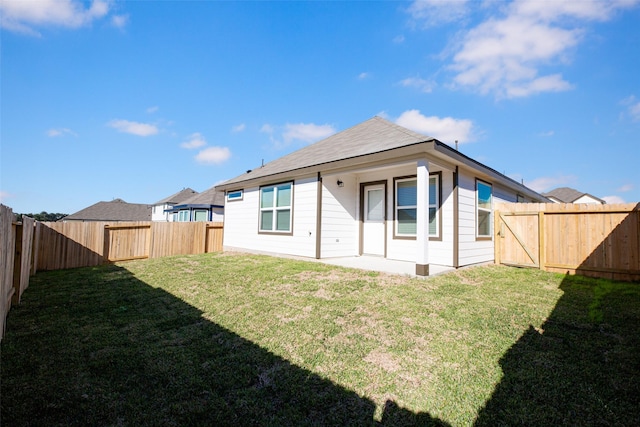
398,39
547,134
120,21
445,129
196,140
267,128
213,155
625,188
431,13
422,85
60,132
295,133
306,132
4,196
547,183
364,75
509,54
153,109
134,128
613,200
384,115
633,107
22,16
238,128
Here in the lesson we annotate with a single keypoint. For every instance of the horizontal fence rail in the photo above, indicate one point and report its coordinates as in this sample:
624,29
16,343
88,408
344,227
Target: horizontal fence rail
84,244
16,260
30,246
591,240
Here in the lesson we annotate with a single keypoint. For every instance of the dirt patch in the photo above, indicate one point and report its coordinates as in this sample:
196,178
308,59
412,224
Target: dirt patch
383,360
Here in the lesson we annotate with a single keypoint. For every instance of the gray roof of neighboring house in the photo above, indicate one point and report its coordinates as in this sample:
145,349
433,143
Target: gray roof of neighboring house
569,195
208,197
179,197
372,136
115,210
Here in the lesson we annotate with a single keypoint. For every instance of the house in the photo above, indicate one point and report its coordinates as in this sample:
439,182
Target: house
205,206
375,189
569,195
161,207
115,210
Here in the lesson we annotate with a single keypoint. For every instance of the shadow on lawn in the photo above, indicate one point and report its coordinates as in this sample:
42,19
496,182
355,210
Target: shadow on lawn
582,367
121,352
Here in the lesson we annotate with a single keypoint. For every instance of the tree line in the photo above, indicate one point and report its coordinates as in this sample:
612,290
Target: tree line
42,216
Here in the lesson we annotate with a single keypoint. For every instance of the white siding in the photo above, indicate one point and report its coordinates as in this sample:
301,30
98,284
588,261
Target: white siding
158,213
587,199
474,251
339,216
217,214
241,223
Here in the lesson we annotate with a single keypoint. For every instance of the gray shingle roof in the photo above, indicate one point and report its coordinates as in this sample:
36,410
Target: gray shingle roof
116,210
178,197
568,195
372,136
208,197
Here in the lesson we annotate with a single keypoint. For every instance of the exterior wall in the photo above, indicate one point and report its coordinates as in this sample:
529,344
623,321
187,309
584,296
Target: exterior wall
587,199
341,216
217,214
158,213
473,251
241,222
339,234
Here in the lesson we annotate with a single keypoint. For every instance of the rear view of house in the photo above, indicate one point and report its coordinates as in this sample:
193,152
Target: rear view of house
375,189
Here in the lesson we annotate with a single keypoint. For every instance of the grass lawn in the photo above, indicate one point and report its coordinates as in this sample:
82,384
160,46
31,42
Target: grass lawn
233,339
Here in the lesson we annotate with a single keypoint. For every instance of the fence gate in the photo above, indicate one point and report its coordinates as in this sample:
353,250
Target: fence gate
518,239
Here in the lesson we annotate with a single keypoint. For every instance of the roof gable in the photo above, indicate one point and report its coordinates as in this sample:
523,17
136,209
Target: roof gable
372,136
569,195
116,210
208,197
178,197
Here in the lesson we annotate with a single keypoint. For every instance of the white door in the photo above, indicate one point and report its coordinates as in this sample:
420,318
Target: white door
373,221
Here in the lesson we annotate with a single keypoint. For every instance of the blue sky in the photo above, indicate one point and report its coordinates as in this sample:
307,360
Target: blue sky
139,99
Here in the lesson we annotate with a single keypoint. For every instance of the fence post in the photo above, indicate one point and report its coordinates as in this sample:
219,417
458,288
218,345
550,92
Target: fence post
542,260
105,245
17,263
496,239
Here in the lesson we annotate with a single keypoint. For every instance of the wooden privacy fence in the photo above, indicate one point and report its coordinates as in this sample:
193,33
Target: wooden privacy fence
83,244
16,263
591,240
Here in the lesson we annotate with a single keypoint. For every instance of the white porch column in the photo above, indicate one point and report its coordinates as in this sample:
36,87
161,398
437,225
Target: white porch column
422,226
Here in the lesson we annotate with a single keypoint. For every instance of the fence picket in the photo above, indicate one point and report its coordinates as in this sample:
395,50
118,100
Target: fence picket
594,240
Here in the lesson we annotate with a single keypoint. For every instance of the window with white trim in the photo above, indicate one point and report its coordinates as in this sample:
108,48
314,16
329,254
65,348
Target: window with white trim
406,206
235,195
275,208
484,207
183,216
200,215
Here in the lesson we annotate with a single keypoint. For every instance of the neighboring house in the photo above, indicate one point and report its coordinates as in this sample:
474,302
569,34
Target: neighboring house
206,206
161,207
115,210
569,195
374,189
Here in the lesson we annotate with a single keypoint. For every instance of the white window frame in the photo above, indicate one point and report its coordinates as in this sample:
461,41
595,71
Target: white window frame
435,189
184,215
195,215
483,210
275,209
236,195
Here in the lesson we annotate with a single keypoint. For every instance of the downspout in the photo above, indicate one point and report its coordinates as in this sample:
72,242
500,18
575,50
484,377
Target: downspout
318,216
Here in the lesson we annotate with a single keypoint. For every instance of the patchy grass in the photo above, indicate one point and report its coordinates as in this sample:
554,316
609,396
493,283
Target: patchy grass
231,339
